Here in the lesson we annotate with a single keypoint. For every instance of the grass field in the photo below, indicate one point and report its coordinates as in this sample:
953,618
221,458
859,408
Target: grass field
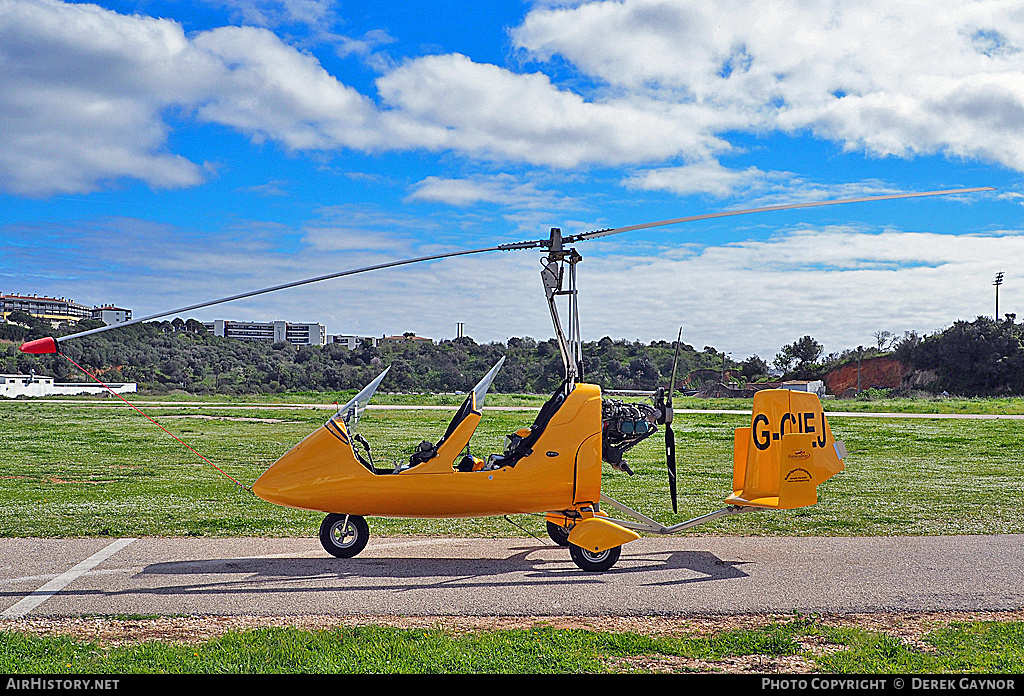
795,645
105,470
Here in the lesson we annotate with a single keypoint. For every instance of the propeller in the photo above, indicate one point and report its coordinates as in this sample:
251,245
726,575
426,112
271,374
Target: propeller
554,243
670,436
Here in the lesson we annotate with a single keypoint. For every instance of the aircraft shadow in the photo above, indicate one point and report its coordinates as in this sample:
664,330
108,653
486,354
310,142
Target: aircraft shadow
523,568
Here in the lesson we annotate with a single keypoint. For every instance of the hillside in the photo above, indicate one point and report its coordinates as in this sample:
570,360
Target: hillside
880,372
168,356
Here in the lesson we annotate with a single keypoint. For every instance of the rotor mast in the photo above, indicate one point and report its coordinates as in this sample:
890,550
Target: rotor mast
555,263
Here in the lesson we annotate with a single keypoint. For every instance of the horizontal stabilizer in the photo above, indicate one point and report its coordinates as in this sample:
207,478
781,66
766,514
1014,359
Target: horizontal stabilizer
785,454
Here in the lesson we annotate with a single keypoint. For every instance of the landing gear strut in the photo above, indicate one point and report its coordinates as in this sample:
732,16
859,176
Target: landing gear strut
558,533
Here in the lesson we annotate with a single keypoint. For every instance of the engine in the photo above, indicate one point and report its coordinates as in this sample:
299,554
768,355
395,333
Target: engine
625,425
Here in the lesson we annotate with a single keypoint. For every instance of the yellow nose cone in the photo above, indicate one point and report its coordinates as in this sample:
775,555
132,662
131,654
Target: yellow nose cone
305,474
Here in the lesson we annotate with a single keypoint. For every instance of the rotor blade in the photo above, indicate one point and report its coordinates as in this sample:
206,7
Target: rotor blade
306,281
707,216
670,462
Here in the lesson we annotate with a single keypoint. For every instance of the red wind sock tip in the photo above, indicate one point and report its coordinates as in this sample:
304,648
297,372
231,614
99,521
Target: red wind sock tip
40,346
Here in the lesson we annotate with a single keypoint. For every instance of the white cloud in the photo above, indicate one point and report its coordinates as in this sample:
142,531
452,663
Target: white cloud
754,186
890,79
275,187
88,95
270,90
274,13
451,102
838,284
502,189
708,177
365,45
81,95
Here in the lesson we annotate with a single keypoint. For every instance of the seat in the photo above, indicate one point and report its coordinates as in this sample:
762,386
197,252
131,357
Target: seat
427,450
456,437
521,444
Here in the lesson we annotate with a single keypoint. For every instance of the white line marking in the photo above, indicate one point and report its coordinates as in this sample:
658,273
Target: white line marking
679,411
63,580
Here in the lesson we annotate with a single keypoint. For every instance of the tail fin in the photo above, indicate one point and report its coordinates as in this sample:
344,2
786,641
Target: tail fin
785,454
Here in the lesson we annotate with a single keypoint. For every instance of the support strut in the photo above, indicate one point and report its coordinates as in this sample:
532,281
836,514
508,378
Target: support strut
555,263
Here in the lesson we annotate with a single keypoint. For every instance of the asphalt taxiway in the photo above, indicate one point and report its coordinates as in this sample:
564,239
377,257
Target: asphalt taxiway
663,576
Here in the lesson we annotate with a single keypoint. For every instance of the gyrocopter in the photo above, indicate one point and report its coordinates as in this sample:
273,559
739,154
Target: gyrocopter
554,465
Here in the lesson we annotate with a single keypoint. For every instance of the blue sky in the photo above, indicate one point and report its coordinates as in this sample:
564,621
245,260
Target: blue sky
158,154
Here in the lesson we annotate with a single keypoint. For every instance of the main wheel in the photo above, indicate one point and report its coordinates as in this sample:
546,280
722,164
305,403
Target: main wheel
594,561
344,536
559,534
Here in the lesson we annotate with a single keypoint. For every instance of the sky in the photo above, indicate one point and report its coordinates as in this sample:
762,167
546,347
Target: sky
159,154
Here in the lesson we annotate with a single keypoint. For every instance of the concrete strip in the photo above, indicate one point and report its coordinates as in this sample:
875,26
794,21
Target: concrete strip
63,580
656,576
395,407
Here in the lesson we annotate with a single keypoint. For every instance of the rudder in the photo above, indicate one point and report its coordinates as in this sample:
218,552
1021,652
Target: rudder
785,454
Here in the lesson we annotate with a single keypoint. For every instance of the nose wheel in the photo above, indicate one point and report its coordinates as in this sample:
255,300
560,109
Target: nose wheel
343,536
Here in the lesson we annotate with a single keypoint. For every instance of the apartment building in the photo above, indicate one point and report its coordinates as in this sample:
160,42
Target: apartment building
59,310
54,309
352,342
269,331
111,314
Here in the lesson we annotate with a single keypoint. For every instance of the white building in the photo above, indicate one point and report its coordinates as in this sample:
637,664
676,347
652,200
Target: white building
352,342
13,386
814,386
112,315
269,331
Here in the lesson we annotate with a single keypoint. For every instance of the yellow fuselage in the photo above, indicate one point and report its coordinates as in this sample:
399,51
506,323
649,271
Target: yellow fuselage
563,472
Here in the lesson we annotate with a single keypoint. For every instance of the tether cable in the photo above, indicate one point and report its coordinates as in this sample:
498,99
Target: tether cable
148,417
522,529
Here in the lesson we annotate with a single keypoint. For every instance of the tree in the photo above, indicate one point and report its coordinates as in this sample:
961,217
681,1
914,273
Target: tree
37,327
753,367
800,357
983,357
